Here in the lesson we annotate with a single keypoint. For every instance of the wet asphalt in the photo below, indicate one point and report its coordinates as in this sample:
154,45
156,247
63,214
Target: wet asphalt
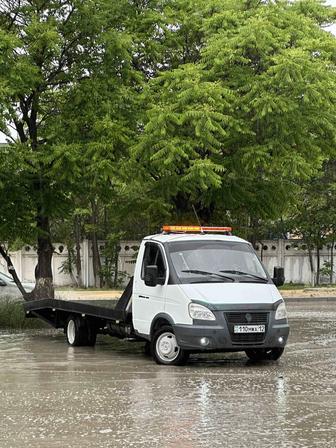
52,395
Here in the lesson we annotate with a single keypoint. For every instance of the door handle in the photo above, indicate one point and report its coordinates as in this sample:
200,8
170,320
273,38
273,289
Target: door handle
143,297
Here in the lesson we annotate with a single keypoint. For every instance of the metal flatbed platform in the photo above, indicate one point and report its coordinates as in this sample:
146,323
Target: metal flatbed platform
100,313
39,308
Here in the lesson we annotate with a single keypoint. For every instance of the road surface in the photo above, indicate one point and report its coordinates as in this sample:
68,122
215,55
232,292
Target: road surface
52,395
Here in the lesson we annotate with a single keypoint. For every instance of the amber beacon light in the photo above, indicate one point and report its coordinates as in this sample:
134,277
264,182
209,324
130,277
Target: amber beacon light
195,229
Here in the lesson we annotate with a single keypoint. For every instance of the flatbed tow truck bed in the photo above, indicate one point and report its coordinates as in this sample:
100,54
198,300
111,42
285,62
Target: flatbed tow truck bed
52,309
112,317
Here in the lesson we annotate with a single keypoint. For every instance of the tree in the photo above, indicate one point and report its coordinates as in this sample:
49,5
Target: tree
234,132
314,217
70,75
52,52
141,109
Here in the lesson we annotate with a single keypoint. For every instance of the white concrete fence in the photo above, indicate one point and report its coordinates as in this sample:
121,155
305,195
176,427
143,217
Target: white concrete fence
25,261
293,256
290,254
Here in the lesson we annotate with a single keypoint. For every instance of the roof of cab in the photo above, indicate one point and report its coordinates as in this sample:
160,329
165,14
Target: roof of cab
169,237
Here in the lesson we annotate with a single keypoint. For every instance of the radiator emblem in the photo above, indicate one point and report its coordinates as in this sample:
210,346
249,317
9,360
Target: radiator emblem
248,317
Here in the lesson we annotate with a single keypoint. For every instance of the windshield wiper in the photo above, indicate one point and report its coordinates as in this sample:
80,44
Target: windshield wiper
196,271
265,280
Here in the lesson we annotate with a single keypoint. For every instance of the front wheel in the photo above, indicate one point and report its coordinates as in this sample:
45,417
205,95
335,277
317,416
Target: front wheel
264,354
165,349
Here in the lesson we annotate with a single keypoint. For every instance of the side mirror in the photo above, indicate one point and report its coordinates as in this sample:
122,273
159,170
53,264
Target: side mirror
278,276
2,283
151,275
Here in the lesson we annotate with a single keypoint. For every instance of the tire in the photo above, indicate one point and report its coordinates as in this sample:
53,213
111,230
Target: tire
75,331
147,348
264,354
165,349
79,332
91,335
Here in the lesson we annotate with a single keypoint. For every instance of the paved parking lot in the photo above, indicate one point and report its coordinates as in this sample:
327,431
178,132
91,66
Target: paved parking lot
52,395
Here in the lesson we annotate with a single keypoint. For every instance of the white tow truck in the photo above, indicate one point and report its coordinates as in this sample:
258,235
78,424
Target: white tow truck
195,289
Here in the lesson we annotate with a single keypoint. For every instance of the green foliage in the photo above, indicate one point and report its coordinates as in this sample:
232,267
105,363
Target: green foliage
130,112
110,273
327,269
253,117
68,87
314,215
12,316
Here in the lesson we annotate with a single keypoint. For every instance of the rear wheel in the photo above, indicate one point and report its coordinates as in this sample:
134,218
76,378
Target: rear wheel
91,335
264,354
79,332
74,332
165,349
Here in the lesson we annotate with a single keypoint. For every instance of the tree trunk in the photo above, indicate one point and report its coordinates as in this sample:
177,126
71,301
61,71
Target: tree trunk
332,261
96,262
116,267
311,264
78,261
44,288
106,282
318,265
261,250
12,271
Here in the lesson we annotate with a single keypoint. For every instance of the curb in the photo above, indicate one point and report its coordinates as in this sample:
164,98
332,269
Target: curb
309,299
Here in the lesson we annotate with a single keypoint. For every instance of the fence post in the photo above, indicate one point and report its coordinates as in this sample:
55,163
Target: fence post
281,253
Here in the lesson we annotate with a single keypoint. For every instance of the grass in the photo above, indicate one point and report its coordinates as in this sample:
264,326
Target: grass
292,286
12,316
295,286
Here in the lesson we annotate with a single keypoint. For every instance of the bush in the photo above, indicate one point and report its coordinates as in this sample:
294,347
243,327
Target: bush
12,316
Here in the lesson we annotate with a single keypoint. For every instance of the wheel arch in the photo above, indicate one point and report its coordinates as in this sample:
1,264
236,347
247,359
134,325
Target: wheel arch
159,320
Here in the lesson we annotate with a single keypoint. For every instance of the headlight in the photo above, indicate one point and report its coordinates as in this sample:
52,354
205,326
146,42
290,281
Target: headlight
200,312
281,312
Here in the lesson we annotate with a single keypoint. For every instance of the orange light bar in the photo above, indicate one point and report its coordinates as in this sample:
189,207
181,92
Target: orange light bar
194,229
216,229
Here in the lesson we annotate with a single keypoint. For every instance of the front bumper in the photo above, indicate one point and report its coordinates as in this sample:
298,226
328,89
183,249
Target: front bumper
218,336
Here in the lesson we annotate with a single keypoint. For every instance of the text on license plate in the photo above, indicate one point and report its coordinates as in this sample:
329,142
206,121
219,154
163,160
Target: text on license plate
249,329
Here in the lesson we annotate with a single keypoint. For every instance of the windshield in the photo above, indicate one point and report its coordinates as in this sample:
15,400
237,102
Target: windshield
216,261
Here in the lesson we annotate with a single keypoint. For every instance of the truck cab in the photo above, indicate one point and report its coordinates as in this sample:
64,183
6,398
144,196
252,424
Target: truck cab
198,292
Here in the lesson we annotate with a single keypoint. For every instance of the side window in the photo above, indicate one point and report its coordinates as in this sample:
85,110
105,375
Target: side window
153,256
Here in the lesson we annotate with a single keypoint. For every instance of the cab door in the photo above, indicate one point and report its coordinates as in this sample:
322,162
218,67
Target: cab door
148,301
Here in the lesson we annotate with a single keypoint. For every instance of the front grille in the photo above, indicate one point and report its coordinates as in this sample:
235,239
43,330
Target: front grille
247,318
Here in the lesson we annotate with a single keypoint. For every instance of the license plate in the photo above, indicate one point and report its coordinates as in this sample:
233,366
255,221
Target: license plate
249,329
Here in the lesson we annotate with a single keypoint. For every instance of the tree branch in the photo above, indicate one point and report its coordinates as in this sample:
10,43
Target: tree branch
20,130
12,271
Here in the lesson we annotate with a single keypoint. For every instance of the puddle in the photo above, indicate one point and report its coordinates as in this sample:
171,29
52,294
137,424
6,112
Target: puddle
52,395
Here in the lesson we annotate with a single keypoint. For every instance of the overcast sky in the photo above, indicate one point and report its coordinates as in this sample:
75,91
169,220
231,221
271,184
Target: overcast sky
332,3
332,29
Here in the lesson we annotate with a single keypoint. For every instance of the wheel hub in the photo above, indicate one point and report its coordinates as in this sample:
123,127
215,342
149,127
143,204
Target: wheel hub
71,331
166,346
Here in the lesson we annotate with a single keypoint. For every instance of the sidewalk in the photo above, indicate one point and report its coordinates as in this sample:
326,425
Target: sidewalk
309,294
